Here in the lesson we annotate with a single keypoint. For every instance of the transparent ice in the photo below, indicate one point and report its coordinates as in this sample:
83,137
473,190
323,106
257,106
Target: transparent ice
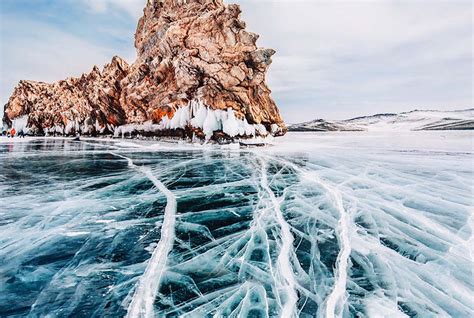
318,225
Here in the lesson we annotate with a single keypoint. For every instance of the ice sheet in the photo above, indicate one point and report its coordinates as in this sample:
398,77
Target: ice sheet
319,225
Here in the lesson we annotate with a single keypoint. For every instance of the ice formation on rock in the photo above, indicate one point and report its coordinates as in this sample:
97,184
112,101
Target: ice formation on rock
21,124
197,115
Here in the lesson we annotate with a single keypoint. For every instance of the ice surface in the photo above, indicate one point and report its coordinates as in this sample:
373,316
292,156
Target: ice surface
319,225
145,293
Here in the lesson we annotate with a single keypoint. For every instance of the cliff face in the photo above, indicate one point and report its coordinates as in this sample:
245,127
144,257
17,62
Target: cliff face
197,72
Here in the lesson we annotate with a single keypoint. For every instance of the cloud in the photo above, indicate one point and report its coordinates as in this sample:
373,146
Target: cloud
133,7
345,58
42,53
334,58
38,43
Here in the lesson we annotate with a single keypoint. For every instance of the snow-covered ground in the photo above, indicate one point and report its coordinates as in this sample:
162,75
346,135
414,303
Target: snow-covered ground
363,224
408,121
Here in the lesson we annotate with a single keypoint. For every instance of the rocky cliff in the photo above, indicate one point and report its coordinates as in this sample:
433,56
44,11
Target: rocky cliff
198,72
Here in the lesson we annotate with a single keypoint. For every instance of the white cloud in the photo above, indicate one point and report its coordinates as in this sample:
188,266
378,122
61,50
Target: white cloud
334,58
133,7
43,53
356,57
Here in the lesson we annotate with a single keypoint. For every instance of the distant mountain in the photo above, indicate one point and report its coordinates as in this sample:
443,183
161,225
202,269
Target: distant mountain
407,121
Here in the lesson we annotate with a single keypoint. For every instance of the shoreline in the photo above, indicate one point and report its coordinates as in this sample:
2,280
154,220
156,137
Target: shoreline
152,143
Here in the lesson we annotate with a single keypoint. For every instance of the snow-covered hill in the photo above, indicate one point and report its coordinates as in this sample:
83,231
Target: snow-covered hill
413,120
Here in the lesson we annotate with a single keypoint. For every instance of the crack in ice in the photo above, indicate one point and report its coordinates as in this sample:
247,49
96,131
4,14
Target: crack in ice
335,301
243,218
283,261
147,289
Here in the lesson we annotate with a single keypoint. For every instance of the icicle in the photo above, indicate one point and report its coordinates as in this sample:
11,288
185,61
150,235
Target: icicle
20,124
211,124
231,126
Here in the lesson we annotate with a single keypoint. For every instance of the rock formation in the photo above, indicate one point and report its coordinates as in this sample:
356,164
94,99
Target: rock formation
198,72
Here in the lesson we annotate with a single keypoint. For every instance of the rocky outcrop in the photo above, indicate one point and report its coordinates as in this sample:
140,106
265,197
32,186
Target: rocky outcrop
89,104
198,72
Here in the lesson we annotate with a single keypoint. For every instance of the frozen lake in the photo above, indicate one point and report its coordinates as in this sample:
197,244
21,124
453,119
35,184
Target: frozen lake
318,225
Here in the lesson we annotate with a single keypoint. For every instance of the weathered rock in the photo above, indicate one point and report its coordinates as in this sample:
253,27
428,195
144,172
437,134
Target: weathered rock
197,70
89,104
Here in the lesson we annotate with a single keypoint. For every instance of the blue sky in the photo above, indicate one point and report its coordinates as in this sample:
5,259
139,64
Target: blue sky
335,59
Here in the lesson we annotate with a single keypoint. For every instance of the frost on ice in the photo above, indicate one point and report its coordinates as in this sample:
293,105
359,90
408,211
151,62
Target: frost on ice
336,228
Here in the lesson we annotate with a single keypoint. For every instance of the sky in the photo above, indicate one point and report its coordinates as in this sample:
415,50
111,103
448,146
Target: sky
335,59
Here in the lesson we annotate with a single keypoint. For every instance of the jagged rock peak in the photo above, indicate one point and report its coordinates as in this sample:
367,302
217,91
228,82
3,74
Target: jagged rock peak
195,61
